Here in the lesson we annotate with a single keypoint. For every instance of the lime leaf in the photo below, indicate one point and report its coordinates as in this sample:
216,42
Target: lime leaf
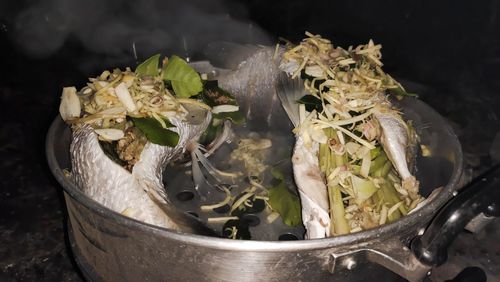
149,66
155,133
287,204
185,81
235,117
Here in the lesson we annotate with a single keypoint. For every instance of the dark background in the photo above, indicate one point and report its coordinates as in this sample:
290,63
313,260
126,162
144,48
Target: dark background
449,48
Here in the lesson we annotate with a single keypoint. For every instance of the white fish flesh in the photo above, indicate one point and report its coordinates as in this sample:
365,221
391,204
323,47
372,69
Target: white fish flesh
137,193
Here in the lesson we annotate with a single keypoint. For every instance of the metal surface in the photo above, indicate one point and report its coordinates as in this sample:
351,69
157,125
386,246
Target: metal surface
116,247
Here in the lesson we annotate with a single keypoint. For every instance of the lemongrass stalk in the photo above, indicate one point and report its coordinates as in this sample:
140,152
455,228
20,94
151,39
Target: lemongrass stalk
339,160
385,170
323,157
337,212
356,169
378,163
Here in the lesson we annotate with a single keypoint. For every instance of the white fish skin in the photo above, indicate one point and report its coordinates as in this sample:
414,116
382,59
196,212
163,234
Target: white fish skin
395,139
312,190
311,185
126,192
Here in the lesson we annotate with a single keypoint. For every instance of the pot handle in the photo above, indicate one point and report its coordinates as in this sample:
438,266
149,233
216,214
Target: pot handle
482,195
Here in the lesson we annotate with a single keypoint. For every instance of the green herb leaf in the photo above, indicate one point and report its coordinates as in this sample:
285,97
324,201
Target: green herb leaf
287,204
155,133
311,102
186,82
210,134
149,66
236,118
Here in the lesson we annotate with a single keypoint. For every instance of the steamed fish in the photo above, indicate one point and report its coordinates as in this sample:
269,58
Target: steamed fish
128,125
130,192
353,149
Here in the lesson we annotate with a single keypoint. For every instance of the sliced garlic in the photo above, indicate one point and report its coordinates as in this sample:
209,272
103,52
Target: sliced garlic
225,109
110,134
70,107
123,95
315,71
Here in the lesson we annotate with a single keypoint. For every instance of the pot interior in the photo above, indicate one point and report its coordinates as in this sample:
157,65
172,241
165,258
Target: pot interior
441,167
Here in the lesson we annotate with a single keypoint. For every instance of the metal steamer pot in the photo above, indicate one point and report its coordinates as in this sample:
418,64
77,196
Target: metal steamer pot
112,247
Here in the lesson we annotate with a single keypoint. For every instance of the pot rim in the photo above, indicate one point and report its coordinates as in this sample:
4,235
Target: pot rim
384,232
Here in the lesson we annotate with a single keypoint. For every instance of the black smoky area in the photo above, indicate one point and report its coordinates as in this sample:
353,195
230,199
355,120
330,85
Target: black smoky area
112,33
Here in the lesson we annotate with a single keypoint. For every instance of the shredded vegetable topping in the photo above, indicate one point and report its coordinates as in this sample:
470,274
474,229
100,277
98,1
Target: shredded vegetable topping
129,108
346,103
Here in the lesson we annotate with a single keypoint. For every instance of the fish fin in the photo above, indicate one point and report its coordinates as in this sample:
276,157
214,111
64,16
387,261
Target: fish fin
289,92
229,55
202,185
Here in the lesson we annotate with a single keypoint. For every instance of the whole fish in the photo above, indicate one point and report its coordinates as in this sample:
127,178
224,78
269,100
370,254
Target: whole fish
361,168
139,194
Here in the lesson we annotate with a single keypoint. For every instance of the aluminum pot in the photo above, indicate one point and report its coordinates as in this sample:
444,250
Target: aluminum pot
109,246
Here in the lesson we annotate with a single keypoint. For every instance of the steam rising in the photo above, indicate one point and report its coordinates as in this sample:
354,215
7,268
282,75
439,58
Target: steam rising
114,28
